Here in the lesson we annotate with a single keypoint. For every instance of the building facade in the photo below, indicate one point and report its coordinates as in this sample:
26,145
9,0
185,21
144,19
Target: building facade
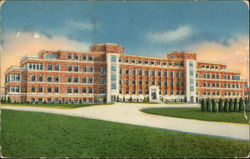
105,73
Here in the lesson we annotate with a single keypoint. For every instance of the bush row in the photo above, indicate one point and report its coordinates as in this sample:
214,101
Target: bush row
224,105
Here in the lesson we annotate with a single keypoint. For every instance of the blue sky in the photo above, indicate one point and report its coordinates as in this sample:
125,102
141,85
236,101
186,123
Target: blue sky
141,27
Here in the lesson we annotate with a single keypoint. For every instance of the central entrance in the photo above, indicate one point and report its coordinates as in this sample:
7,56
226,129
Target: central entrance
154,94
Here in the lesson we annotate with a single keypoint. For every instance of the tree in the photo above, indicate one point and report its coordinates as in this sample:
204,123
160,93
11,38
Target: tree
117,98
221,105
236,105
247,105
105,99
123,99
209,105
242,105
215,105
203,105
8,99
147,98
226,106
130,99
231,105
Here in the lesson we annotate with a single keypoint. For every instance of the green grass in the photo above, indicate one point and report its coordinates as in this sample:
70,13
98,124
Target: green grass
29,134
196,113
47,105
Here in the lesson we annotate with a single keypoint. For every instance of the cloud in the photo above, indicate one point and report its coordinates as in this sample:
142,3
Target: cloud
80,25
180,33
235,54
17,45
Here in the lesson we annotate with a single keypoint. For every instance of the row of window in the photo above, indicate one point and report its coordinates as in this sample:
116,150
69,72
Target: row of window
15,89
34,66
217,85
212,67
153,82
48,100
40,89
217,76
150,62
80,57
218,93
146,92
147,72
69,79
12,78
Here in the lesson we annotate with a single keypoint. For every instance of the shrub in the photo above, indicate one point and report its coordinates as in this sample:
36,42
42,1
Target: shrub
130,99
215,106
123,99
8,99
242,105
226,106
247,105
221,105
105,99
203,105
231,105
44,102
117,98
236,105
209,105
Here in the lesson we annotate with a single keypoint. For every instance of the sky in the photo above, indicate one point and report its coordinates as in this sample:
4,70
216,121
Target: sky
216,31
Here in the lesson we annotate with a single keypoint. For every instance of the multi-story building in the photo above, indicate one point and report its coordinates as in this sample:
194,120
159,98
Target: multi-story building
105,73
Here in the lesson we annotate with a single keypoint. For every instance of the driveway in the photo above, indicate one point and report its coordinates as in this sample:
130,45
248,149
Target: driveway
131,114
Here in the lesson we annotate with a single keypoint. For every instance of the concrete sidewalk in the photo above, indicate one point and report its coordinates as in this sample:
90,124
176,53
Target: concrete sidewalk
131,114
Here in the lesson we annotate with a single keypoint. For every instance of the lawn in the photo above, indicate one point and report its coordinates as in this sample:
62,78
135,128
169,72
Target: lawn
196,113
29,134
47,105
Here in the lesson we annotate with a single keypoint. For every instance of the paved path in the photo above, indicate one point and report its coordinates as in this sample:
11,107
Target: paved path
131,114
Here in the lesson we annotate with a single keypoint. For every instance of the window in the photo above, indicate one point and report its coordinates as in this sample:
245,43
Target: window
76,79
146,72
127,82
84,58
173,57
140,72
158,62
84,69
49,90
192,88
164,63
127,71
204,75
146,62
69,56
134,82
49,66
84,90
84,80
126,60
49,79
171,74
33,89
76,68
90,90
120,60
113,86
165,73
90,80
69,90
113,58
56,90
152,62
191,73
113,68
102,80
69,79
178,74
236,77
159,73
102,91
139,61
40,89
134,72
75,90
69,68
153,73
40,78
33,78
90,58
133,61
57,67
76,57
153,82
57,79
102,70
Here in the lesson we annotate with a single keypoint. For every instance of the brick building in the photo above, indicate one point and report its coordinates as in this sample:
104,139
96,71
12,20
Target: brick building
106,73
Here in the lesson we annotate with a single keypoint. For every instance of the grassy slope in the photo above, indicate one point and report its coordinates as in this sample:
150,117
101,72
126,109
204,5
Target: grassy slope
63,106
28,134
196,113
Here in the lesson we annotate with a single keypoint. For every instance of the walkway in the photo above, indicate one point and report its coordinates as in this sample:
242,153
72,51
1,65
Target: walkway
131,114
